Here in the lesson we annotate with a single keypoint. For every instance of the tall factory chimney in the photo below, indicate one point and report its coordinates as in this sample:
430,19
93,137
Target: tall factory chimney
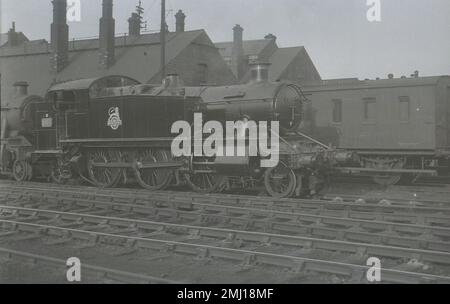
237,55
59,36
107,35
180,21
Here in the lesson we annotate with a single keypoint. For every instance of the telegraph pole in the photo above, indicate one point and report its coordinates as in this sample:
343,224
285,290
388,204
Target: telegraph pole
140,12
163,39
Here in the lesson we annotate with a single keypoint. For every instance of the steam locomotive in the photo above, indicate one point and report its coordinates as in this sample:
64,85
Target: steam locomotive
112,130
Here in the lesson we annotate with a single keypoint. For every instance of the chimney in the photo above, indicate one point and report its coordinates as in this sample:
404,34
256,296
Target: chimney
180,21
134,25
260,72
59,36
172,81
12,36
270,37
237,55
20,88
107,35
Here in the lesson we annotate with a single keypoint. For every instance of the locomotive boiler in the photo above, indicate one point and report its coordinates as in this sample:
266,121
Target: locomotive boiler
113,129
18,139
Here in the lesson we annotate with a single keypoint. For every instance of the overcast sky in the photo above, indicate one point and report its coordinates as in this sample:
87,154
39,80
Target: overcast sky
412,34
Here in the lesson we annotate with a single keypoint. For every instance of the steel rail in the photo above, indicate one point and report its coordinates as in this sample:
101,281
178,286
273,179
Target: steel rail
247,257
183,202
247,201
106,273
395,202
291,223
299,242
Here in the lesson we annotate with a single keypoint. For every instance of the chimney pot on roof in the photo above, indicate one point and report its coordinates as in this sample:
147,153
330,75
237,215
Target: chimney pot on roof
59,36
107,35
180,21
238,56
13,39
237,29
270,37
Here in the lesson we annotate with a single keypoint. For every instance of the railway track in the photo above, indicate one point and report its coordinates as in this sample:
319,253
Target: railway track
264,236
327,201
392,230
245,256
314,211
90,271
340,200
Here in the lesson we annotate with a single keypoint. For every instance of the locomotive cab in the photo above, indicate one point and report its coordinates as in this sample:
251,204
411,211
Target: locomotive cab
72,101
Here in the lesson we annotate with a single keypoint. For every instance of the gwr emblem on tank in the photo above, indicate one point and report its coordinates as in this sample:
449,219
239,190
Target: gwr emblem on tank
114,120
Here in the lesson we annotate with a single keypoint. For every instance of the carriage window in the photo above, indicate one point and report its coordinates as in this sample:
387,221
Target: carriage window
404,108
370,109
337,110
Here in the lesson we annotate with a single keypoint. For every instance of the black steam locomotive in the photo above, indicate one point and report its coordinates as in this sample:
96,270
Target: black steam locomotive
112,130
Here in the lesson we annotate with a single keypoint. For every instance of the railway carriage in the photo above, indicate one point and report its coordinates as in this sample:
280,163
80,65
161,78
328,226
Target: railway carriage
400,128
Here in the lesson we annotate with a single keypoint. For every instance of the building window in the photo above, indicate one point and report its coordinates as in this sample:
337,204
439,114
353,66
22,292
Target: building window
405,111
370,109
202,73
337,110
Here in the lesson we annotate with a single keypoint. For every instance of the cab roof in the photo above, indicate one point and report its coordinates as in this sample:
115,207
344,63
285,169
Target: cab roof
86,84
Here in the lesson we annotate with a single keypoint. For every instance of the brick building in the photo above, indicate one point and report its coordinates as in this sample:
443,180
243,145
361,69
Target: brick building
191,54
293,63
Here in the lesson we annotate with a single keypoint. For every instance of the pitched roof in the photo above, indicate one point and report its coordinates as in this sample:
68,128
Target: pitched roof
20,36
281,59
354,83
251,47
3,38
141,55
176,41
138,57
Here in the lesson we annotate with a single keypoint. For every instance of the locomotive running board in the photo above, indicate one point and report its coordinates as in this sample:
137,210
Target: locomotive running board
400,171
